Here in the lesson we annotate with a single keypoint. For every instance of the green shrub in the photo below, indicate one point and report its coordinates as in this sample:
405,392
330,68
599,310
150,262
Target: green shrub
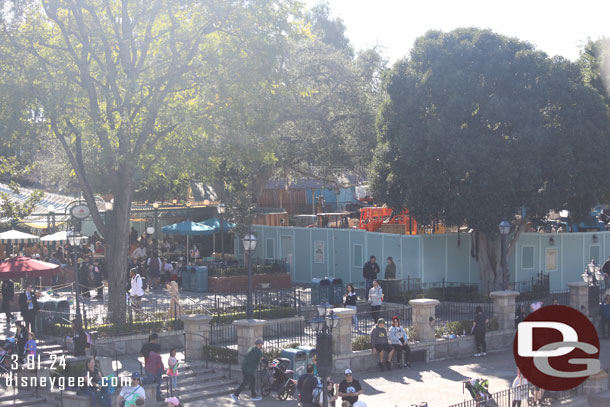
412,333
272,353
492,324
219,354
361,343
262,313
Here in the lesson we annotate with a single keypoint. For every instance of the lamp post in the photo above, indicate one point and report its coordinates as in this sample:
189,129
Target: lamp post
156,215
323,324
504,228
75,238
249,242
221,211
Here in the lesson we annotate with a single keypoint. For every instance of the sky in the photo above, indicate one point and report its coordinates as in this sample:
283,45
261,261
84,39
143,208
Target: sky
558,27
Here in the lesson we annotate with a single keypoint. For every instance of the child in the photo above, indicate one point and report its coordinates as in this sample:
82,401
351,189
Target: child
172,369
30,346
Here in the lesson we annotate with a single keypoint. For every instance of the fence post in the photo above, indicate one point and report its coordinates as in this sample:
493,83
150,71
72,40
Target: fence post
504,308
579,296
197,331
342,334
248,331
422,310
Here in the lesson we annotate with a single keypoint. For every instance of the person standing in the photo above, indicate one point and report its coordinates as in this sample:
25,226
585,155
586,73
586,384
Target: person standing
30,346
478,329
136,292
519,393
380,343
79,337
349,388
98,278
153,371
400,342
172,369
29,306
22,337
8,293
350,302
606,273
369,272
305,385
155,265
375,299
174,302
605,314
519,314
248,368
390,269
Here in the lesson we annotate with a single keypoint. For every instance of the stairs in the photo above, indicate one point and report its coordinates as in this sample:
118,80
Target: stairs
22,398
195,382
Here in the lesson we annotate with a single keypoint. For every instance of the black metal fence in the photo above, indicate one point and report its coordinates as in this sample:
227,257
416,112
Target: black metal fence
447,312
282,334
502,398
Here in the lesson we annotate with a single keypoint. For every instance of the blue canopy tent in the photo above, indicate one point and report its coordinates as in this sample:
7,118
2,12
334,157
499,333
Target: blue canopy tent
215,223
188,228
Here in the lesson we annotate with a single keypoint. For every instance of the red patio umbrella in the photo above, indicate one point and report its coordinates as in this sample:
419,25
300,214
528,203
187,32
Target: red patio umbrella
24,267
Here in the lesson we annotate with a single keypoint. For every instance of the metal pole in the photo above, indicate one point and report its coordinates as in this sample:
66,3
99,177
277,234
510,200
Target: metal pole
156,214
222,238
249,313
503,260
76,279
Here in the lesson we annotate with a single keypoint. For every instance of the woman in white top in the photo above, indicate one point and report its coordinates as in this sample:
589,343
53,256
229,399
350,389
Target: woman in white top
375,299
518,392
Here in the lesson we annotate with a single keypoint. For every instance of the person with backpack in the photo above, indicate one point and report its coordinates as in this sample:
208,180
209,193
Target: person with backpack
307,385
136,292
130,396
154,265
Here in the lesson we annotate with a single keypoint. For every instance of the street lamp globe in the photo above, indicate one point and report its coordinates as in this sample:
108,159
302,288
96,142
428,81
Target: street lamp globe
317,323
323,307
74,237
150,230
222,208
332,320
249,242
156,205
504,227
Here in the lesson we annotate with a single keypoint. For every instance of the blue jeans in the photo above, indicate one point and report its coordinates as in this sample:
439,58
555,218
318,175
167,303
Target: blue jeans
369,285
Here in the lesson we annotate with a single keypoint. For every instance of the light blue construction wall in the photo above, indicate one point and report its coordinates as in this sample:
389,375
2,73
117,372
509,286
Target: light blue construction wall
334,200
431,258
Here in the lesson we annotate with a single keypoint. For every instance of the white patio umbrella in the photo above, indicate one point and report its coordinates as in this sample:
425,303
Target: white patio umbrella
60,237
15,236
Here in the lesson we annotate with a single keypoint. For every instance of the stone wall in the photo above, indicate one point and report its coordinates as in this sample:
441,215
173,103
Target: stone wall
130,344
240,283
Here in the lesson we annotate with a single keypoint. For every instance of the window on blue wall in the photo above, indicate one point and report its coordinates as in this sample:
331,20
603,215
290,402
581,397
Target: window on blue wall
270,249
358,262
527,257
594,254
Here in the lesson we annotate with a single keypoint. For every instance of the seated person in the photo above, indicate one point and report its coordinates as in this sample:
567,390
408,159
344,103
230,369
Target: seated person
399,341
380,343
92,388
133,395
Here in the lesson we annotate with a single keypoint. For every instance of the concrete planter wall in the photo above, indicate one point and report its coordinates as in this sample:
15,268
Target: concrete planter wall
233,284
131,344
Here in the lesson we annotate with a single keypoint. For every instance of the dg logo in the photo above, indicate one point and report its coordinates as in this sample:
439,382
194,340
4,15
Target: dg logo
557,348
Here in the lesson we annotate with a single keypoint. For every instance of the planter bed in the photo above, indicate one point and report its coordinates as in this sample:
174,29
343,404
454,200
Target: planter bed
239,283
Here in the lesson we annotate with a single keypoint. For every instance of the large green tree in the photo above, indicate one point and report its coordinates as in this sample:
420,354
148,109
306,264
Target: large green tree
116,81
595,63
478,126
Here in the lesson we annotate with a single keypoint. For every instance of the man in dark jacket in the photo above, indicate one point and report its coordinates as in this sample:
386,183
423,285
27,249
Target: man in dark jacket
8,293
369,272
306,384
22,336
248,368
29,307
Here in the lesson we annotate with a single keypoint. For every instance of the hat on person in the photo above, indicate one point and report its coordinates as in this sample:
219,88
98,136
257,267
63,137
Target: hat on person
173,400
380,321
135,375
258,342
359,404
347,371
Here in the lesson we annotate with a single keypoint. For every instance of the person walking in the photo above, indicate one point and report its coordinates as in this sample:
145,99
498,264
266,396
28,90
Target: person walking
350,302
478,329
174,301
136,292
375,299
248,368
519,393
390,269
400,342
380,343
29,306
605,314
349,388
8,293
369,272
305,385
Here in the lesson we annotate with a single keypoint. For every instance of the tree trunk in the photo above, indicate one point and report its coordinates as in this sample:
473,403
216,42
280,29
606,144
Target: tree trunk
118,250
489,253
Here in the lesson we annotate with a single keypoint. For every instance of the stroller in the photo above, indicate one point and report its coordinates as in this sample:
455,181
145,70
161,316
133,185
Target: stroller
479,390
8,347
276,377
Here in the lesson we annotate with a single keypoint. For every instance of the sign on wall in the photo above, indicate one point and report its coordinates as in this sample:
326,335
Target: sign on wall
318,251
551,259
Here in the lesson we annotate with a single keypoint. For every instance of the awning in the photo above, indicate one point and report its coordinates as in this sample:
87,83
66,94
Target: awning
215,224
24,267
15,236
59,238
188,228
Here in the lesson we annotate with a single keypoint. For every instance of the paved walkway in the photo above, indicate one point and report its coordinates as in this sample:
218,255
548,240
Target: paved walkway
438,383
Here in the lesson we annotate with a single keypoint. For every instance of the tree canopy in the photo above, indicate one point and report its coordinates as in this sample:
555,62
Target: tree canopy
477,126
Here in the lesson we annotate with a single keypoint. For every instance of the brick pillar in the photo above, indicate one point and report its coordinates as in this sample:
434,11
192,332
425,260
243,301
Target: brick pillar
504,308
197,331
579,296
342,334
248,331
423,309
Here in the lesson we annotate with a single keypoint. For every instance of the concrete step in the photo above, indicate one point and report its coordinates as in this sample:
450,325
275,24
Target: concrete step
7,394
196,386
24,401
189,395
187,374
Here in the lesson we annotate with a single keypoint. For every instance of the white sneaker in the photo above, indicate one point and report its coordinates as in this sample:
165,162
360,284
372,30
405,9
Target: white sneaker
476,355
257,398
235,398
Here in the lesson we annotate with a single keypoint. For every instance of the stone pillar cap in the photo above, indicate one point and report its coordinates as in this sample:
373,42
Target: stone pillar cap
504,293
578,284
424,301
195,317
249,322
344,312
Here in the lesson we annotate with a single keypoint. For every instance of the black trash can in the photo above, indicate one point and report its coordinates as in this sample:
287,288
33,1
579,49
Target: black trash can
337,288
320,290
391,289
